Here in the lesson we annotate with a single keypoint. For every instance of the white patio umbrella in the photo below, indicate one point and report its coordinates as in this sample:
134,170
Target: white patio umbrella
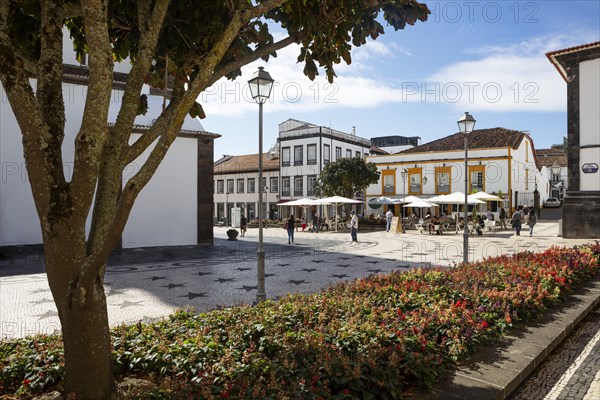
407,199
382,200
485,196
420,203
457,198
304,202
337,201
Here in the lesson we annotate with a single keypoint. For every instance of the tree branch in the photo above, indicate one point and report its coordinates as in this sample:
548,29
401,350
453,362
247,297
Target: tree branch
93,132
28,116
226,69
49,87
113,158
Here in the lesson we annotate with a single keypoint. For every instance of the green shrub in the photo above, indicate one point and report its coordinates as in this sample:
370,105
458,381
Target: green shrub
370,338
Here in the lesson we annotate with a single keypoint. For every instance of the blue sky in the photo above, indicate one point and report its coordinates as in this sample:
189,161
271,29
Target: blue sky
485,57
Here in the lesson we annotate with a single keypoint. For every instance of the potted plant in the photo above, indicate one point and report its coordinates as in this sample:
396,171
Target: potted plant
232,234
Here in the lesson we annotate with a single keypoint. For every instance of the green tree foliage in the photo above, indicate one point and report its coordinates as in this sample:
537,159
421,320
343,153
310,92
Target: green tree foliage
187,45
346,177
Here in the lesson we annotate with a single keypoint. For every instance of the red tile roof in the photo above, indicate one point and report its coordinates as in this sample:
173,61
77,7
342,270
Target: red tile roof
478,139
246,163
550,157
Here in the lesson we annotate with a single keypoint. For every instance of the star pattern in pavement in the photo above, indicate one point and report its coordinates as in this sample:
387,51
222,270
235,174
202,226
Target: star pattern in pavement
127,303
296,282
47,314
192,295
340,276
41,301
174,285
158,278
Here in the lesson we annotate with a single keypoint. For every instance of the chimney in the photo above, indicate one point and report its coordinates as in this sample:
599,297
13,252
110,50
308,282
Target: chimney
354,130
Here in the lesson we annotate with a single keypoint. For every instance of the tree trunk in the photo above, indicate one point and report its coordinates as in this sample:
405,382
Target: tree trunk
84,321
88,356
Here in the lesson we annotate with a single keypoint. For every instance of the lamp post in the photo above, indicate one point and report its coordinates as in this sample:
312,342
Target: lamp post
465,125
555,170
403,174
266,191
260,84
227,208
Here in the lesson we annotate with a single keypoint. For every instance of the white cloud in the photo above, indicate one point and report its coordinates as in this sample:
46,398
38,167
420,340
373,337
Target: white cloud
511,77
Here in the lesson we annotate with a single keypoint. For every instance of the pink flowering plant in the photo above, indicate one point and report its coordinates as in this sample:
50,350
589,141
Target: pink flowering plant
373,338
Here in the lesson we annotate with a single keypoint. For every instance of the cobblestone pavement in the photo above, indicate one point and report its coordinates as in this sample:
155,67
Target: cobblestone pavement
145,284
572,370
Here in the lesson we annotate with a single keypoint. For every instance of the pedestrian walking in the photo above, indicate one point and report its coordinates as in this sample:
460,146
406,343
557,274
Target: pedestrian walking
243,225
531,220
388,217
291,225
353,226
502,218
517,218
315,221
303,222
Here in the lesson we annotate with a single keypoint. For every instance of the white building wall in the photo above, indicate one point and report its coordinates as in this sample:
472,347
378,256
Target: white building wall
165,211
19,223
589,121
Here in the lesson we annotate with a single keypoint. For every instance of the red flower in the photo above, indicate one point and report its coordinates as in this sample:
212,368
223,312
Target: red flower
484,325
26,382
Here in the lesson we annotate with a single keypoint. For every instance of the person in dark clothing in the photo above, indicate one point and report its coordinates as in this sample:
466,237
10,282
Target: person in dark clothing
315,222
502,218
291,225
517,218
243,225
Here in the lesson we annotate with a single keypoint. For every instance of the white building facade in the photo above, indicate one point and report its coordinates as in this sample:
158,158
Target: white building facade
500,161
170,210
305,149
580,68
236,186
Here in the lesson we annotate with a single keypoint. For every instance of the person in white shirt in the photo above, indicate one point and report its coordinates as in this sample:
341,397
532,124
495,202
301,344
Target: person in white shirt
353,226
388,216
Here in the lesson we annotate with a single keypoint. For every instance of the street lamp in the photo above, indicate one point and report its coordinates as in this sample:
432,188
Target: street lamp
266,191
260,84
403,174
227,208
465,125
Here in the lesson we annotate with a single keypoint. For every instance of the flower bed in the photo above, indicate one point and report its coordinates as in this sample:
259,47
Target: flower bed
370,338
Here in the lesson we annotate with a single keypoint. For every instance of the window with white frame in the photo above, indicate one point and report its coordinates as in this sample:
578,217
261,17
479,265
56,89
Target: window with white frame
476,181
311,181
274,184
311,154
285,156
220,186
230,186
298,186
298,155
240,186
326,154
414,182
388,184
357,154
348,153
251,185
338,153
285,186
